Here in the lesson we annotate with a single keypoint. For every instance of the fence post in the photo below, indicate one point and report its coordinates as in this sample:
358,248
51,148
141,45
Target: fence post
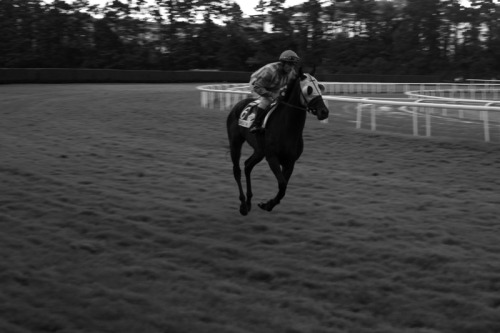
427,122
221,101
359,109
203,97
415,120
373,120
486,127
211,100
228,101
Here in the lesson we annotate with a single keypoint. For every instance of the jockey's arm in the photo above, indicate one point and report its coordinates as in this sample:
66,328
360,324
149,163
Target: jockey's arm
262,91
265,82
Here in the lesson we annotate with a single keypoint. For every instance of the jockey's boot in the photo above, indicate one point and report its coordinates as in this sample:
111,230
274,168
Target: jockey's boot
256,127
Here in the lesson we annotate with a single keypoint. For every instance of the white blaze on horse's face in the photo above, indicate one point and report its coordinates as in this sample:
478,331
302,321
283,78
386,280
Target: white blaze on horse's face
311,88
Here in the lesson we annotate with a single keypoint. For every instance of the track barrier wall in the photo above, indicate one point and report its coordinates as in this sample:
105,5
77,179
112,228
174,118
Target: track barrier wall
77,75
80,75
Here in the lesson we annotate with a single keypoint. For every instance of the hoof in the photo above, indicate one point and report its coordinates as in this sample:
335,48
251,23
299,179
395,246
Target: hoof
243,210
267,206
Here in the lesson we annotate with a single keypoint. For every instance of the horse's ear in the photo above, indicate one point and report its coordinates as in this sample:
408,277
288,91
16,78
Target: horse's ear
314,70
300,72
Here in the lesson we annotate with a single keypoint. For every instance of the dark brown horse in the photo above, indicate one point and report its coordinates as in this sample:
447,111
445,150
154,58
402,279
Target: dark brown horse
281,143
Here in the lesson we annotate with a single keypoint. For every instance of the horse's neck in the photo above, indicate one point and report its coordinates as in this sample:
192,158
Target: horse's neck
293,115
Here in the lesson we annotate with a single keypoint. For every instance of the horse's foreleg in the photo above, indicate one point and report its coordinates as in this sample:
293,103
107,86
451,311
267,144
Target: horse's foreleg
250,163
235,146
282,176
237,177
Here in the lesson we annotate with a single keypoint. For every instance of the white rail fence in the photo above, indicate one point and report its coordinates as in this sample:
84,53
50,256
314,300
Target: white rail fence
427,100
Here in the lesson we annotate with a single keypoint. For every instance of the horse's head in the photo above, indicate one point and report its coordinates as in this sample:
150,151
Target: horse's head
311,96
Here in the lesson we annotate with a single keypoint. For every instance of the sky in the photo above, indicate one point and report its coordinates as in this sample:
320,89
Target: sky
247,6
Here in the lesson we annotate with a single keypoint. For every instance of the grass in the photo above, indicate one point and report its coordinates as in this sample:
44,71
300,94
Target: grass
119,213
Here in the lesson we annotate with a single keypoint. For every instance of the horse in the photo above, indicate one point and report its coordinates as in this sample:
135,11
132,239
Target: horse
281,143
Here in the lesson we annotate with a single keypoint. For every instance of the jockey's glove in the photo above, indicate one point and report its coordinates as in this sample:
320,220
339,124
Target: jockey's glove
263,92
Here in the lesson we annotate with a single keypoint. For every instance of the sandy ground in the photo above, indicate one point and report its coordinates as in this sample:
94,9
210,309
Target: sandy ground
119,213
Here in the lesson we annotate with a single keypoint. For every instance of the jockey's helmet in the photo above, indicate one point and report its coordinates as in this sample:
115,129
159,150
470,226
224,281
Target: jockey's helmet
289,56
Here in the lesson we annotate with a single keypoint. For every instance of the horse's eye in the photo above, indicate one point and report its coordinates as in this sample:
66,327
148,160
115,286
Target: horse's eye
309,90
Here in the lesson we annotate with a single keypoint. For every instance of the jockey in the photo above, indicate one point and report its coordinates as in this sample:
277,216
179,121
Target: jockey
269,81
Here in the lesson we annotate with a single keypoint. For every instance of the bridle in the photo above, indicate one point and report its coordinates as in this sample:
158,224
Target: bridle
307,108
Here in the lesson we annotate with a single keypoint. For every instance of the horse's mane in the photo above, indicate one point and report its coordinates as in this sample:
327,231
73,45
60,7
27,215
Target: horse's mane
292,85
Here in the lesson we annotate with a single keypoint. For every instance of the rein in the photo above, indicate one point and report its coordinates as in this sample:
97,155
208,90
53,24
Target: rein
294,106
307,109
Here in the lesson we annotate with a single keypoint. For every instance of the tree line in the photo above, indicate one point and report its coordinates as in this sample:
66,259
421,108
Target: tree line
399,37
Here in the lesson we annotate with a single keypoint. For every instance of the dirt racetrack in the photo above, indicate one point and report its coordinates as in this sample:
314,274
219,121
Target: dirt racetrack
119,213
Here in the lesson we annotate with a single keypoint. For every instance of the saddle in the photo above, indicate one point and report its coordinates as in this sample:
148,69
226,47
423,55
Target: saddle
247,116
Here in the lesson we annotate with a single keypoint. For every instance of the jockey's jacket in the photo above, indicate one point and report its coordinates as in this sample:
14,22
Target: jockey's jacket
272,78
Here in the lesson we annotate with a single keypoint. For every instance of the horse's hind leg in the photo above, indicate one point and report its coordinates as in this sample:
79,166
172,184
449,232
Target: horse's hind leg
250,163
235,146
283,176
